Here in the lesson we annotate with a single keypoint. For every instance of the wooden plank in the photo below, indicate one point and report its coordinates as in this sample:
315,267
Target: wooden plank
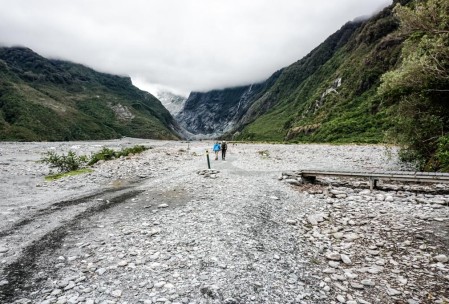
410,176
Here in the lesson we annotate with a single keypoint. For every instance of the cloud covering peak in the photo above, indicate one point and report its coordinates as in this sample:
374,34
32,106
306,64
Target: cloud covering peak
181,45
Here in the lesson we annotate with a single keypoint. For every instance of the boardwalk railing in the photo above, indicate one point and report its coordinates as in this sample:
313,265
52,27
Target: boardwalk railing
374,177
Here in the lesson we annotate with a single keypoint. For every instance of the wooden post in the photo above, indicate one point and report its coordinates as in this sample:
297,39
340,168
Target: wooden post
372,183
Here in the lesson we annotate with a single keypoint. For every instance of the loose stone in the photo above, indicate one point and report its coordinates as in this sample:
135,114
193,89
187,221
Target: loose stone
441,258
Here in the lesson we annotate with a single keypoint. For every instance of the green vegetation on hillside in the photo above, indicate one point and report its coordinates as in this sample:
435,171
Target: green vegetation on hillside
331,94
421,84
382,80
43,99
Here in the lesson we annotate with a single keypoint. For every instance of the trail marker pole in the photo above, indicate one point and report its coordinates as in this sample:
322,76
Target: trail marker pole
208,161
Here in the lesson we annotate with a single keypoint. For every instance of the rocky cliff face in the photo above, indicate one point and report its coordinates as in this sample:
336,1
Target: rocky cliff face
214,113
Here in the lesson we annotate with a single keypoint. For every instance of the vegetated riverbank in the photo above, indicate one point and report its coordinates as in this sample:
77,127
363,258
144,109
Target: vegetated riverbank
151,229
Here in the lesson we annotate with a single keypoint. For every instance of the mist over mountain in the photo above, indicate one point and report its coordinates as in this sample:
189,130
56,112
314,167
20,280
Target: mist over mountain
329,95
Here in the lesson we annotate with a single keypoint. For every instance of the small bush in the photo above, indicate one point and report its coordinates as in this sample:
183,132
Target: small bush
104,154
108,154
73,162
133,150
65,163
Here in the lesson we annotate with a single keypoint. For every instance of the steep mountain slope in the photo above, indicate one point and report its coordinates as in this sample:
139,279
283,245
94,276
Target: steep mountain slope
330,95
213,113
42,99
334,98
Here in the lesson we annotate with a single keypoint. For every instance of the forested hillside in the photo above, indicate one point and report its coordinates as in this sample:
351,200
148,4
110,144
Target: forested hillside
380,80
331,94
42,99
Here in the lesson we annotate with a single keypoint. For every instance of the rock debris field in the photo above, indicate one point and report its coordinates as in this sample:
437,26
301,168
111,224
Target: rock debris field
158,228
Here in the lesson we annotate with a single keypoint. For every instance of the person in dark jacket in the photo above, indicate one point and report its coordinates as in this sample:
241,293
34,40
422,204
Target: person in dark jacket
224,147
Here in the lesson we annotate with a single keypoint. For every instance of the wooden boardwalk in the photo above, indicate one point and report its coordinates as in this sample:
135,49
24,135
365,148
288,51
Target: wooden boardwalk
374,177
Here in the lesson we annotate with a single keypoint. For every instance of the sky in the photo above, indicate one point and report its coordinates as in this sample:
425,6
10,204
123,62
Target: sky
178,45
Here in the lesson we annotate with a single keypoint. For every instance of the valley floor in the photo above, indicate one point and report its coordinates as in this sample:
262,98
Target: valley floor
150,229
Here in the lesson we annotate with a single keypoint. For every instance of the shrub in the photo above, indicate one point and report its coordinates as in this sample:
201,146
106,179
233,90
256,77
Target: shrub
65,163
108,154
133,150
73,162
104,154
442,153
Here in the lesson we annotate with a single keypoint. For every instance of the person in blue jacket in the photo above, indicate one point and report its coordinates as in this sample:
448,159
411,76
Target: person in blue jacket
216,149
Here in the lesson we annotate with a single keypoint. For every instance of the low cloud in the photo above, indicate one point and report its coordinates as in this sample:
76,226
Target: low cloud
182,45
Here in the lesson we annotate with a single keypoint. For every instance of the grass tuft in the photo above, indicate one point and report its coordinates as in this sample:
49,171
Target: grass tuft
57,176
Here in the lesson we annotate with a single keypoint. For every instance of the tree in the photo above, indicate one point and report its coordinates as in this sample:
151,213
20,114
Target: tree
421,82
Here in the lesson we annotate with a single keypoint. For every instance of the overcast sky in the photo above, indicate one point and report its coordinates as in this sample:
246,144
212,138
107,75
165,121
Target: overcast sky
182,45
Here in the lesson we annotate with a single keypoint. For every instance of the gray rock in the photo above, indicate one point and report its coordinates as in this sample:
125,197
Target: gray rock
56,292
122,263
73,300
70,285
338,235
350,275
293,182
291,222
341,299
335,256
393,292
350,237
116,293
345,259
312,220
160,284
441,258
368,282
101,271
375,269
334,264
329,270
356,285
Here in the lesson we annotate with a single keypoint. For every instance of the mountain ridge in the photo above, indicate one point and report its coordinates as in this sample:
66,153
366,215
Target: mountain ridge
52,99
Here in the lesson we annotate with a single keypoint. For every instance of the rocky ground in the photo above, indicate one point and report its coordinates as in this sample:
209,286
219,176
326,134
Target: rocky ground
158,228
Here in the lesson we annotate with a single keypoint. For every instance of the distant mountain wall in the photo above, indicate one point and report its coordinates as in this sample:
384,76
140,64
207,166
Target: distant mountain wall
211,114
43,99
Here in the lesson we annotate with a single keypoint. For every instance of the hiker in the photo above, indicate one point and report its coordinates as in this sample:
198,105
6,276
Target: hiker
224,147
216,149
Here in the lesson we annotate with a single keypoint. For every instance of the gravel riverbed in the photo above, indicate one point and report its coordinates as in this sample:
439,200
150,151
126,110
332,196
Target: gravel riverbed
159,228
